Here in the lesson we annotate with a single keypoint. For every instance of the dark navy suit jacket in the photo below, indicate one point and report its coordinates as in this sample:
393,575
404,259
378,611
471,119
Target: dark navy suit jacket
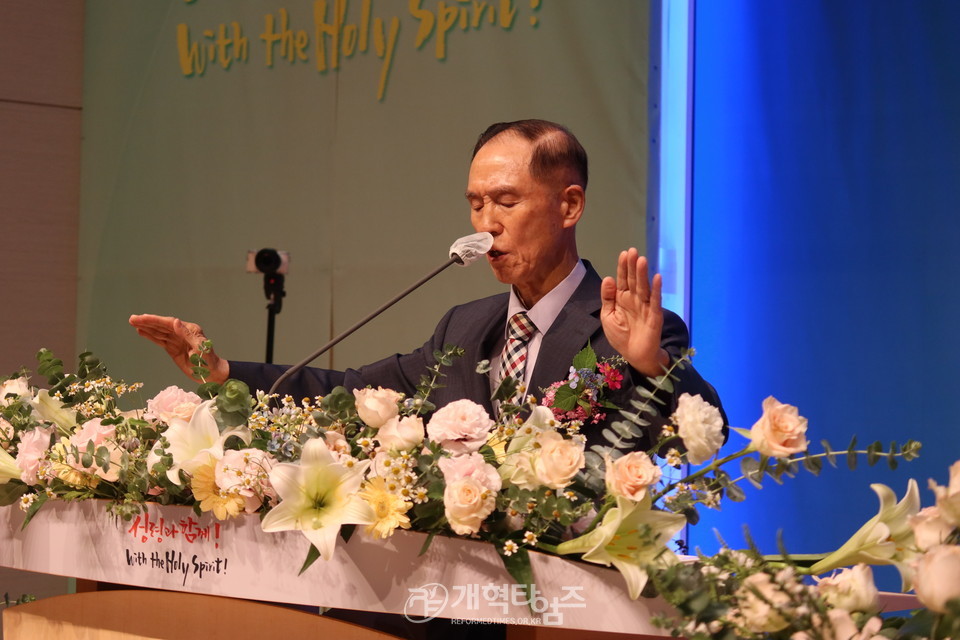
478,327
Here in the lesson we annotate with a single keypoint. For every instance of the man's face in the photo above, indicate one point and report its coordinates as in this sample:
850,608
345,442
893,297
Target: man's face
526,217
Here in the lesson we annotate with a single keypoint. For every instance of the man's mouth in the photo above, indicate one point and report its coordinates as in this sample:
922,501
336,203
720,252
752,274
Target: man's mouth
493,253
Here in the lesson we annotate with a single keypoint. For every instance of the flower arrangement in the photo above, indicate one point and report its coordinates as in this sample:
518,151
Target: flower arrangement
374,459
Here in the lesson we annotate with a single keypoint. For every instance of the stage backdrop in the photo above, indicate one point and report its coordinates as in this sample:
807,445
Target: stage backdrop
825,223
340,132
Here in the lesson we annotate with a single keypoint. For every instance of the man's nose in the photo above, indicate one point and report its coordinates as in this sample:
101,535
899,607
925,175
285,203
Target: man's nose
486,220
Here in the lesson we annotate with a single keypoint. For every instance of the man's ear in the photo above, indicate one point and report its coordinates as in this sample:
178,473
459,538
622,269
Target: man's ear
573,199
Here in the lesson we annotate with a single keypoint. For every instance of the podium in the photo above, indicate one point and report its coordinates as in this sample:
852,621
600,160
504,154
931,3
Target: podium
204,573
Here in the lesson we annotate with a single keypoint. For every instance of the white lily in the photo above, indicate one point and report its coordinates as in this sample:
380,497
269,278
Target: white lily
631,537
50,408
886,538
317,497
196,443
8,467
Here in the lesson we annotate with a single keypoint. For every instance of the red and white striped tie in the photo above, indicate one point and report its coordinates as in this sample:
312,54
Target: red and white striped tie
514,358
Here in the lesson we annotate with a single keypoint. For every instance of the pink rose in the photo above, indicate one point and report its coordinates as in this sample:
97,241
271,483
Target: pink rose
557,460
460,427
247,473
937,580
32,449
173,402
470,466
401,434
376,406
93,431
780,431
629,476
700,426
101,435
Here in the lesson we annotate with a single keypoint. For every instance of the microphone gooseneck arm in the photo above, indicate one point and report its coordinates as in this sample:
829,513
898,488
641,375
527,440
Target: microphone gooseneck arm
319,352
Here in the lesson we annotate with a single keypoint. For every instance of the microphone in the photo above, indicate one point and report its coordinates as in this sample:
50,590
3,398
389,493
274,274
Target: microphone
464,251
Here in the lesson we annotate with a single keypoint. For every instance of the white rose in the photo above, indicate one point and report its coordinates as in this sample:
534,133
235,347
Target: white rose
948,498
780,431
14,386
700,426
929,528
557,460
460,427
517,469
401,434
466,504
173,402
937,580
763,606
376,406
851,589
630,475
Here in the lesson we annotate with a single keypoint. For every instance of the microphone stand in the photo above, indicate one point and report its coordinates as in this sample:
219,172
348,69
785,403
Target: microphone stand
273,288
319,352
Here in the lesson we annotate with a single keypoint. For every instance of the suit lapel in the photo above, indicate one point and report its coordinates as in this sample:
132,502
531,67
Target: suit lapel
578,321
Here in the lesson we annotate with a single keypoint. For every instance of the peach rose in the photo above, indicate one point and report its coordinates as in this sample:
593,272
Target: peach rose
629,476
851,589
401,434
700,426
780,431
173,402
460,427
376,406
937,580
929,528
948,498
466,504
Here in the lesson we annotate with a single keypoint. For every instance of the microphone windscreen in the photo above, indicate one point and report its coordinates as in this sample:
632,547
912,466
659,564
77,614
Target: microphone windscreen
467,249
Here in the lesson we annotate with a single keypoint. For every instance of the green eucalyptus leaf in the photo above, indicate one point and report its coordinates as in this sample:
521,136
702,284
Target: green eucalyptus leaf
831,458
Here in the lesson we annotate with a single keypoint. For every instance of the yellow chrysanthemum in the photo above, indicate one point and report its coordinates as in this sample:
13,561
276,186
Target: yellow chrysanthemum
390,510
212,498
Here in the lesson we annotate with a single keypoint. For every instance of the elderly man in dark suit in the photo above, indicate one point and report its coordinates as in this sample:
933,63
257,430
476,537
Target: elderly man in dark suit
526,187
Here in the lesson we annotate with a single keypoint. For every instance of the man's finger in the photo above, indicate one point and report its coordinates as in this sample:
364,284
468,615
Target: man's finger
642,279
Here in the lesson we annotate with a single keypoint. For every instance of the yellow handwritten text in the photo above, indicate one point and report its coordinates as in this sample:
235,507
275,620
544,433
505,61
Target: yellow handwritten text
220,46
347,38
468,14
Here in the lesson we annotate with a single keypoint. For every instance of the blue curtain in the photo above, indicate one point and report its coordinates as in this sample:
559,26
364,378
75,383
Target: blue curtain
826,214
